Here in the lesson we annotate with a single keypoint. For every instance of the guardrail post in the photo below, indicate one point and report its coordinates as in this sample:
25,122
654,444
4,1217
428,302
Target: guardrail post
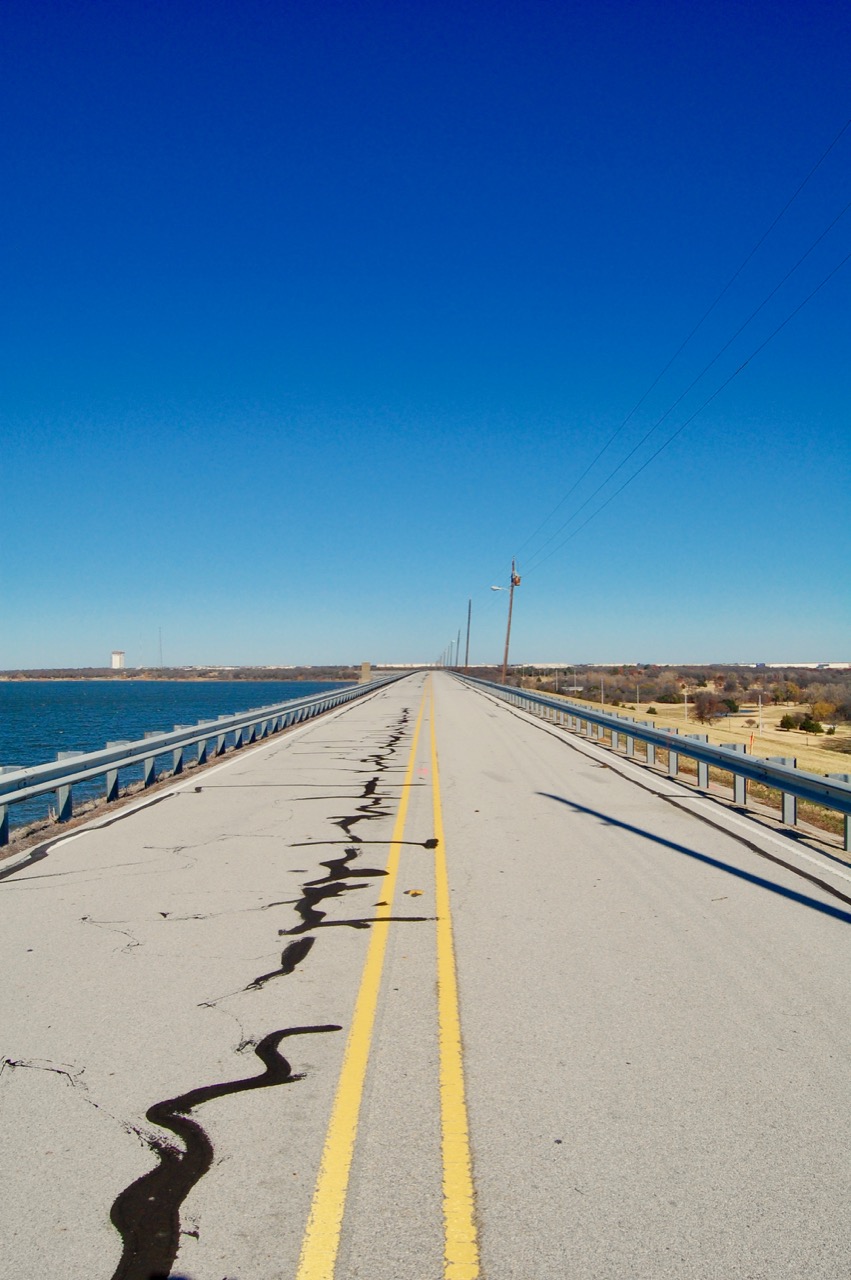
840,777
702,767
673,759
649,747
64,800
112,774
788,804
740,784
203,746
177,753
149,775
4,808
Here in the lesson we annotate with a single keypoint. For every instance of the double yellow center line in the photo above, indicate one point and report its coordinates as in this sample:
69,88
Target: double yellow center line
322,1235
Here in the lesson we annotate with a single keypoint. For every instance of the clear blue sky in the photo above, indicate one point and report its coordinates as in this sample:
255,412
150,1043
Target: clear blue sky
312,313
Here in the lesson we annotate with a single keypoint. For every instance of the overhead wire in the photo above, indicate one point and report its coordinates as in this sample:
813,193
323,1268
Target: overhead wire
801,185
537,563
699,410
815,243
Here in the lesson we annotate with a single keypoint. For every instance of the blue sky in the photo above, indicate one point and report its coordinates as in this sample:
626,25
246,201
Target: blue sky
313,313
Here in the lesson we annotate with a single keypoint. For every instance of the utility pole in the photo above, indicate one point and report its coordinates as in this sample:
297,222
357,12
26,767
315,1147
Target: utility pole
467,650
515,582
458,650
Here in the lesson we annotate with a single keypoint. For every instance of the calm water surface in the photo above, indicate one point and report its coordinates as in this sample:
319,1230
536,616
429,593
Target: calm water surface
38,718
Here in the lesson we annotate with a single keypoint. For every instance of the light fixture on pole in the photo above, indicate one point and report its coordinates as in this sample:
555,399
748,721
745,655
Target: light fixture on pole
515,582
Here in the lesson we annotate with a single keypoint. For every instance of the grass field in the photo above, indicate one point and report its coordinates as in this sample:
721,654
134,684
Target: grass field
807,749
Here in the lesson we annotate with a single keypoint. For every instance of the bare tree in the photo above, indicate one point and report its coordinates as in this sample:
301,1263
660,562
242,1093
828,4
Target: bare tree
706,706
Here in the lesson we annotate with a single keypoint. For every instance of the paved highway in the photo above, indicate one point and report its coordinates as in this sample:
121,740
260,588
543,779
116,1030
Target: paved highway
425,989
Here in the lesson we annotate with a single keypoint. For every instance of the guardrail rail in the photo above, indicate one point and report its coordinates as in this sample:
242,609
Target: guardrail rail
778,772
209,736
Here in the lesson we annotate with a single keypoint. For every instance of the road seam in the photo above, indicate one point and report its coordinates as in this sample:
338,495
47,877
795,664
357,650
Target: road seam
461,1248
324,1225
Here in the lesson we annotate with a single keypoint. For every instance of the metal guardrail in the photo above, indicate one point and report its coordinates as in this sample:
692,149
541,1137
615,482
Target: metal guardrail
778,772
210,736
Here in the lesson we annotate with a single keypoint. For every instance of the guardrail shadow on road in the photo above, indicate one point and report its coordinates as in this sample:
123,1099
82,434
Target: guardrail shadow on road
771,886
777,774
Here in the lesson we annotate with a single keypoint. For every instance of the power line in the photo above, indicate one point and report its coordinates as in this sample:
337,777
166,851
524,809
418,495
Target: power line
685,343
697,411
697,379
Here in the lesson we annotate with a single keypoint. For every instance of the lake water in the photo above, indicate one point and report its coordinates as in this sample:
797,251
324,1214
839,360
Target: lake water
38,718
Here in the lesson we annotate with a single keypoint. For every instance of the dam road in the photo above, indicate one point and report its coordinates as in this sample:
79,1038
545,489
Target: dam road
425,988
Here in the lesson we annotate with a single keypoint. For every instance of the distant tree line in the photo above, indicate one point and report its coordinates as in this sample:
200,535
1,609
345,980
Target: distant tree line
319,674
713,691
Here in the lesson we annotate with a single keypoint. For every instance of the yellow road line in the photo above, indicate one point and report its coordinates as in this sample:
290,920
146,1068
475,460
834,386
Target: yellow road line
461,1246
322,1234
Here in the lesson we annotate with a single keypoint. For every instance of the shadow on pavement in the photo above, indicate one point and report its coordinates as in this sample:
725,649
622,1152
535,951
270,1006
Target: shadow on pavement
836,912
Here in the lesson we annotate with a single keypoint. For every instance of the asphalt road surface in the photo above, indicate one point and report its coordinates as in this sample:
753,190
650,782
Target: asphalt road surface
425,989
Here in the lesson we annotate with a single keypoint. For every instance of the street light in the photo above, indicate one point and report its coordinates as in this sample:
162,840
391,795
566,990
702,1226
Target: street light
515,582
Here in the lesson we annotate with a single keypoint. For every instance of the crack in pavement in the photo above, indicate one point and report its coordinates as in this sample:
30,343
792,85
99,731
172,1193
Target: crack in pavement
109,926
74,1077
147,1213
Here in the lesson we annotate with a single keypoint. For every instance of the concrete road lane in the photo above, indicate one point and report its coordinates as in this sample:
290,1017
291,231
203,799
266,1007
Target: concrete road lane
231,1039
150,962
655,1020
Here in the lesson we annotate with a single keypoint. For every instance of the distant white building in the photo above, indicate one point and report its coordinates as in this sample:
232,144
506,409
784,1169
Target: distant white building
118,659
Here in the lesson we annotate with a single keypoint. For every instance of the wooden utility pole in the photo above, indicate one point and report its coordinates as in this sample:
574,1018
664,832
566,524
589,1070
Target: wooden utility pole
515,582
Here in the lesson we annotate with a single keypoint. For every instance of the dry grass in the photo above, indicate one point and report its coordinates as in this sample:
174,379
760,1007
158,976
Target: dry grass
811,755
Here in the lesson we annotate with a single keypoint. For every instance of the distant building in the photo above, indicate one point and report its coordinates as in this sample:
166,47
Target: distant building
118,659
